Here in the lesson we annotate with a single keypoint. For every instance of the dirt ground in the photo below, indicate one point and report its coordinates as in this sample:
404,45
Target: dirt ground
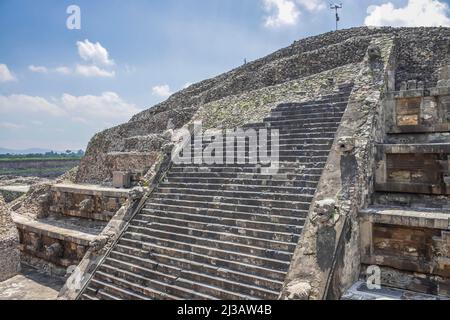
30,285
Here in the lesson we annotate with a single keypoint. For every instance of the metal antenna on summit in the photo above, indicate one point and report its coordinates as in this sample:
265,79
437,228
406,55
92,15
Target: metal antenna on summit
336,7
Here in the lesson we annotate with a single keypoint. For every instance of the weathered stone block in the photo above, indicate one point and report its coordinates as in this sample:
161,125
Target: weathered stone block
121,179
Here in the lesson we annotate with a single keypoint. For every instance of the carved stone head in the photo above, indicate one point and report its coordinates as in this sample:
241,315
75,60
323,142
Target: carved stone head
374,52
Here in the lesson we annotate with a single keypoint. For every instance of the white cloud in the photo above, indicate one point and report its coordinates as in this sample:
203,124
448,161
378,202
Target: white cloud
28,104
37,69
10,126
281,13
94,53
63,70
41,69
313,5
416,13
93,71
5,74
109,106
99,111
162,90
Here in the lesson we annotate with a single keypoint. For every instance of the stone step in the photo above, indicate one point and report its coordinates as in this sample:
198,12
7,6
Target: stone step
166,255
318,111
191,270
286,234
294,138
149,288
91,294
254,159
102,295
312,108
215,238
291,127
251,182
319,131
293,226
282,219
168,246
299,122
161,202
304,117
238,170
122,292
242,188
302,152
293,149
248,175
177,286
243,194
283,138
285,165
217,286
283,141
88,298
235,270
234,200
327,101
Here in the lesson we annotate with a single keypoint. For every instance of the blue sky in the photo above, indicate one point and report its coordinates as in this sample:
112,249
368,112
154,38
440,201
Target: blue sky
59,86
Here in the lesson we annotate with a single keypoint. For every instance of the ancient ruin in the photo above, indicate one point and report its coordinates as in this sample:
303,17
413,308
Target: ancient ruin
362,184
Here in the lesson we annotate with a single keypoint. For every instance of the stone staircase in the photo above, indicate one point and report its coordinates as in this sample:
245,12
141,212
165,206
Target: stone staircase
225,231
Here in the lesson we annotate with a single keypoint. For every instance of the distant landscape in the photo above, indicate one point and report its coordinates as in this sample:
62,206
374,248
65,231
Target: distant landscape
40,163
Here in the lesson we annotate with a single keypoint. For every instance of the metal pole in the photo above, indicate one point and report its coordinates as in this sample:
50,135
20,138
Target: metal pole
336,19
336,7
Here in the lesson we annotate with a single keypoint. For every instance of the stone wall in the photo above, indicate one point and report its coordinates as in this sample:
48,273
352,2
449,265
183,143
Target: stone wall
411,247
101,204
9,244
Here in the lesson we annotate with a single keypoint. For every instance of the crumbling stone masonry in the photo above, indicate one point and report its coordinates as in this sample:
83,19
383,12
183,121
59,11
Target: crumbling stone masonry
9,244
59,223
